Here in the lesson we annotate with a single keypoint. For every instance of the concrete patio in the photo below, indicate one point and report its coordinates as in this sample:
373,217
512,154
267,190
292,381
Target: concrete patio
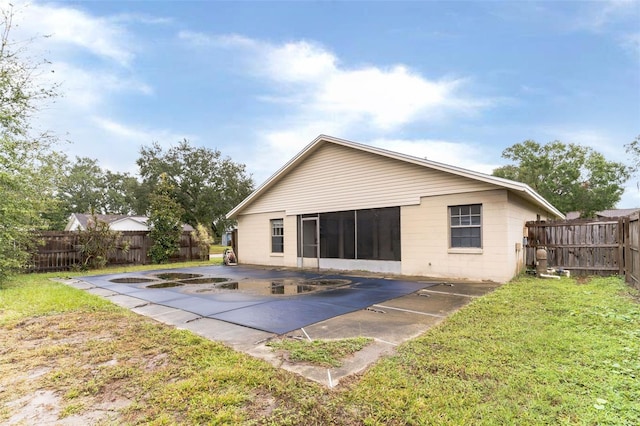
395,316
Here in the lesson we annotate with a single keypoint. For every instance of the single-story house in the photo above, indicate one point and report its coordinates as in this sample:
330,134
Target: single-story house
604,214
117,222
347,206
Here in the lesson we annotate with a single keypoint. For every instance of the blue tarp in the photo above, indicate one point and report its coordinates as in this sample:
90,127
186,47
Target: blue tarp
271,313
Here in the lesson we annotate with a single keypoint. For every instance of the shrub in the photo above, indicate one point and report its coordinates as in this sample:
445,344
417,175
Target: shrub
164,222
95,243
203,239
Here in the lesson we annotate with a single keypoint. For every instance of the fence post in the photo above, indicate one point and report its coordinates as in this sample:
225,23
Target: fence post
634,257
622,242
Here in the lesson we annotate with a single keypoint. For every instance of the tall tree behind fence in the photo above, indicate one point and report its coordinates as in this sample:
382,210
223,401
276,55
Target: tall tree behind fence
59,250
589,246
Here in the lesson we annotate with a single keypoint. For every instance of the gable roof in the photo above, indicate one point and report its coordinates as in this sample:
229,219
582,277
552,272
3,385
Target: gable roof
611,213
83,220
616,212
524,190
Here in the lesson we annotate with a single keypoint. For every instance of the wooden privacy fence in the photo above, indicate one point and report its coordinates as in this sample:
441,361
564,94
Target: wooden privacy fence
632,249
58,250
608,246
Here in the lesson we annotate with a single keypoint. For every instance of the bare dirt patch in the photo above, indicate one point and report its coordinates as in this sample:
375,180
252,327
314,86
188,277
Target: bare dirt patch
115,367
73,369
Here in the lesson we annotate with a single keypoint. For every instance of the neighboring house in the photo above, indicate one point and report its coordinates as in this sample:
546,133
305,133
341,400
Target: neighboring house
606,213
347,206
116,222
227,237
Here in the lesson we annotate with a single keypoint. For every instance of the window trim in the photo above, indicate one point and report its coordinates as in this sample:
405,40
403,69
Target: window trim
465,249
273,226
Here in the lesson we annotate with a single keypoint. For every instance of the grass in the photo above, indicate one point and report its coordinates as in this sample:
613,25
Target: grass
532,352
95,354
217,249
324,353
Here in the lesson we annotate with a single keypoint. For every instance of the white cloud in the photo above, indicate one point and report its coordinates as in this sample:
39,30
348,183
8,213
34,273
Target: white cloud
299,62
313,77
459,154
66,28
278,146
631,42
92,58
64,36
84,88
226,40
136,135
115,144
389,98
616,17
601,14
601,142
137,18
319,94
631,197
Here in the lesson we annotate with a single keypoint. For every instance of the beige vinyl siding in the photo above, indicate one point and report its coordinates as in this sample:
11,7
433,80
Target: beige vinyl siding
254,240
425,238
337,178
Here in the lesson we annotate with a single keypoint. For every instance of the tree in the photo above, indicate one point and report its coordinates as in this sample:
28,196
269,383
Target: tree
29,168
164,222
124,195
85,187
569,176
633,149
207,185
80,189
96,241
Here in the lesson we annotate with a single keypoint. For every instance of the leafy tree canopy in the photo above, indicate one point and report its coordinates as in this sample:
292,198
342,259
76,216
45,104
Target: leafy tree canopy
633,149
29,168
207,185
571,177
85,187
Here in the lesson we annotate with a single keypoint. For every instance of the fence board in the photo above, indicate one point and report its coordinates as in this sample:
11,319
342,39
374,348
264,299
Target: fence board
605,246
632,249
586,247
58,250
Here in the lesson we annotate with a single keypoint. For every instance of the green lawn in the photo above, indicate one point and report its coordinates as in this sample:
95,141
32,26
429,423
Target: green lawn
532,352
217,249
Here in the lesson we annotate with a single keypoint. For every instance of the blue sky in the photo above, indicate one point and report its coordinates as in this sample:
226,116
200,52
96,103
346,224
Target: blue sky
455,82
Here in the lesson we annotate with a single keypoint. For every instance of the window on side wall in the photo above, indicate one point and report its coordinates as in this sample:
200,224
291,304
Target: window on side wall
465,223
277,236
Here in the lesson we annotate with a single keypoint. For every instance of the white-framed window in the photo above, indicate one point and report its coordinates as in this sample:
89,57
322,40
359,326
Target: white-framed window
277,236
465,226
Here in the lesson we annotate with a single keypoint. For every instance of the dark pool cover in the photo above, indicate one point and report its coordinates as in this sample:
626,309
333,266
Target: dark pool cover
268,313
